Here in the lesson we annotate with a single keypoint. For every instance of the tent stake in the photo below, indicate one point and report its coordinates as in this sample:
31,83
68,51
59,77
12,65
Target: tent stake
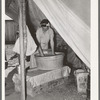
22,30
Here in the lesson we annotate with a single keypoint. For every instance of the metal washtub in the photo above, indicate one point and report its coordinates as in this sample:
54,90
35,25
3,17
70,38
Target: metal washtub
50,62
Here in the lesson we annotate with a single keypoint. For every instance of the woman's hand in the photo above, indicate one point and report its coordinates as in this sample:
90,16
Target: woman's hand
41,51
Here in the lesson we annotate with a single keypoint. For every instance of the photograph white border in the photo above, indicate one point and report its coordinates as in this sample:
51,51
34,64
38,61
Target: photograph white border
3,48
94,50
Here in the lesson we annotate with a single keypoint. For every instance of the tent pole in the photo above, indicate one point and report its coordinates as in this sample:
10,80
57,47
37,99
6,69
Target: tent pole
22,30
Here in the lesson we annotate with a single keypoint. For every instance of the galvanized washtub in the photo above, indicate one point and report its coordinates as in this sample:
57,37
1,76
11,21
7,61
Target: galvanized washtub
49,62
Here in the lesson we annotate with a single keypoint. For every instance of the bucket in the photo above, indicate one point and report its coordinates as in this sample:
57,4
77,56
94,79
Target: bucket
50,62
81,79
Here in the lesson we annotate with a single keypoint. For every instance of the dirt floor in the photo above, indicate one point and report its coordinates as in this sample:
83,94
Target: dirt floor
66,91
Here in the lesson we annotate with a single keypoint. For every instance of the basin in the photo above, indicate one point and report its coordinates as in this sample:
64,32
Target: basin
49,61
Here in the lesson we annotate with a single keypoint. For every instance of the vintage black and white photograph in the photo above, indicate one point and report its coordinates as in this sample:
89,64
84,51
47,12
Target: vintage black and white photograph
47,49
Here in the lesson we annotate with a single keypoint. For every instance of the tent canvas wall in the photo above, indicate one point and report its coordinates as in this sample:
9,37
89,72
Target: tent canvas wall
75,30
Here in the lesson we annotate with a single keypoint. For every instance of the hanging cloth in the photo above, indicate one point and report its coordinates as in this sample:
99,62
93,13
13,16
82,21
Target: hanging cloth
31,46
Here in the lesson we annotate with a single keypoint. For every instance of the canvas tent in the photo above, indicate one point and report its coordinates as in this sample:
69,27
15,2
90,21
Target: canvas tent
65,16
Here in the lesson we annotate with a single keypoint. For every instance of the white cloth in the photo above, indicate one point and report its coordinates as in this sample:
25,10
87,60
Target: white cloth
72,29
31,46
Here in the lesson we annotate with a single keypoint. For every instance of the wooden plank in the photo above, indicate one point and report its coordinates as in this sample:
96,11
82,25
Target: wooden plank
8,2
10,31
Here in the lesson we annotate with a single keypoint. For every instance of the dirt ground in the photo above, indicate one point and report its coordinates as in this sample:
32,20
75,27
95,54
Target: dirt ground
66,91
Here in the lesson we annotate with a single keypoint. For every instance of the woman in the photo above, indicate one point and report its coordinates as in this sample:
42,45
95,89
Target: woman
45,35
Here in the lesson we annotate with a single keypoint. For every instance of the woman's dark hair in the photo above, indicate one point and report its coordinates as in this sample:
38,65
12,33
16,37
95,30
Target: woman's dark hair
44,21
